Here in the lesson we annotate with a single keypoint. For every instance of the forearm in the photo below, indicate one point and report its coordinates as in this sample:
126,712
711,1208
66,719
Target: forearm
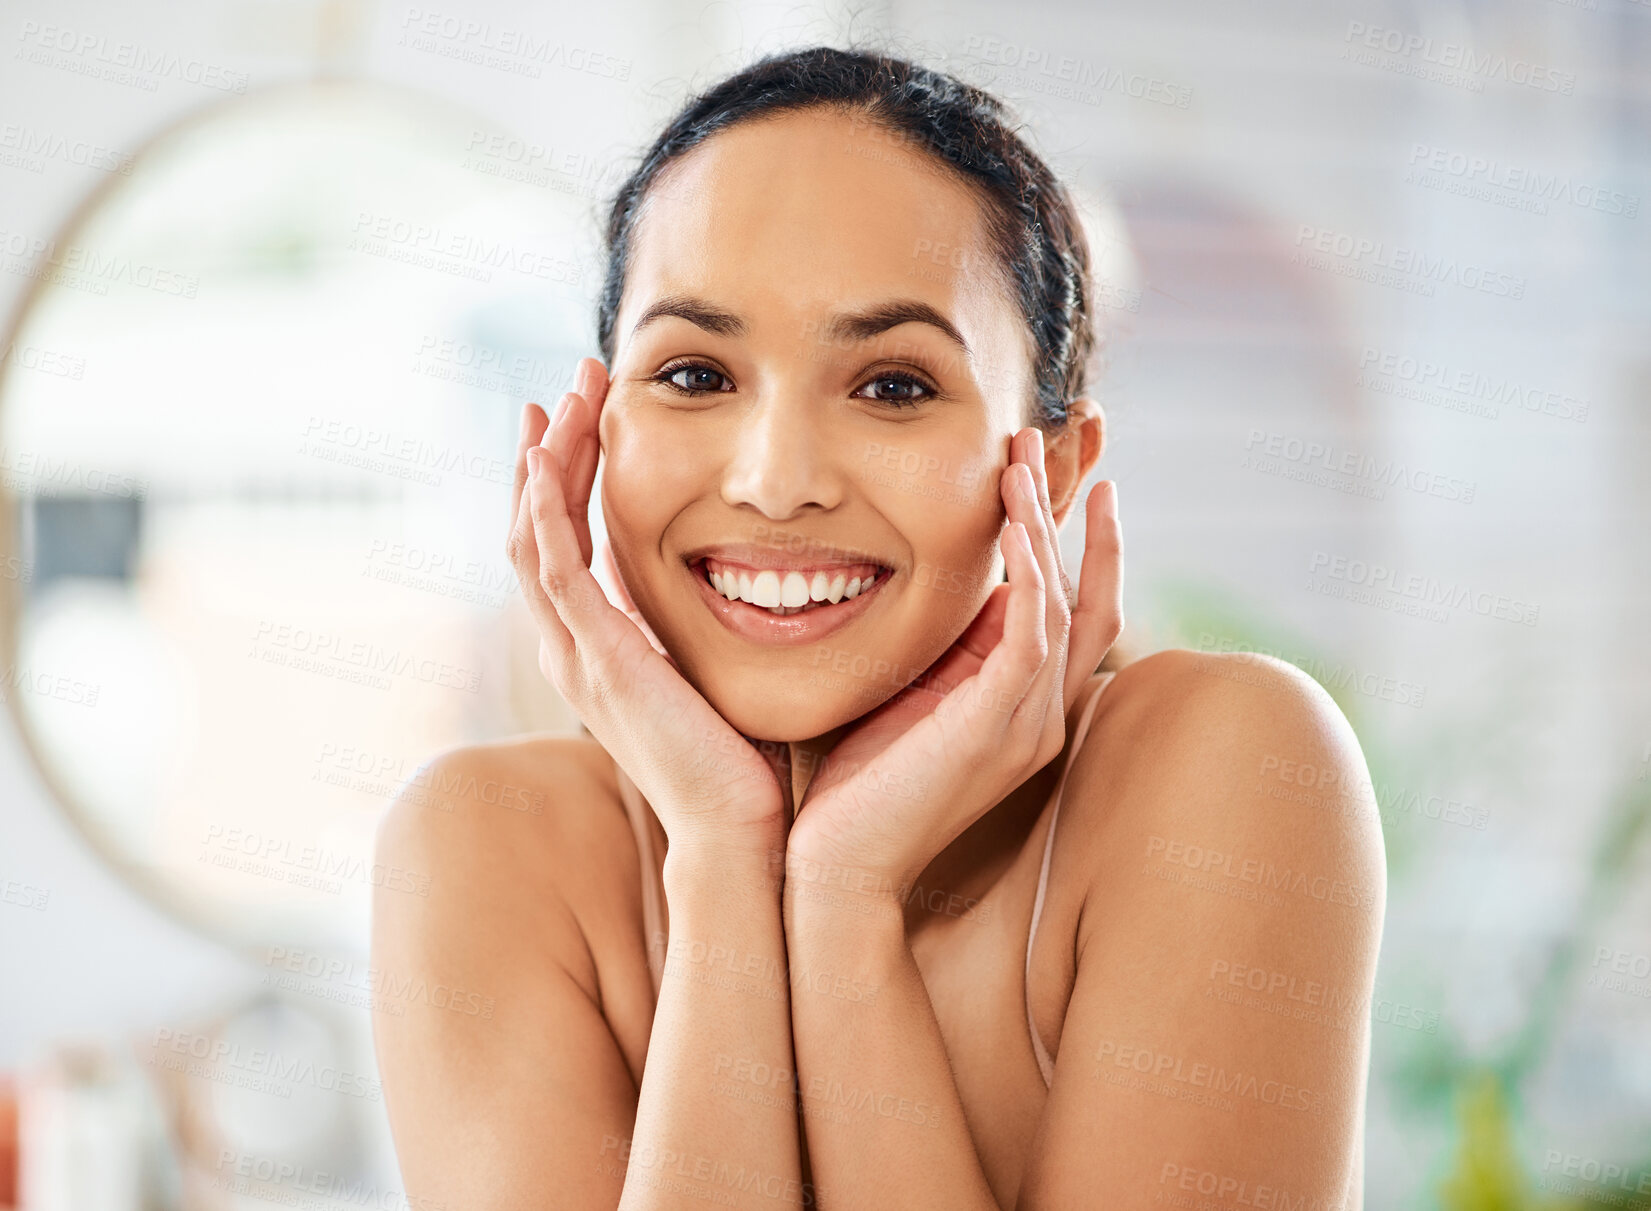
715,1115
882,1114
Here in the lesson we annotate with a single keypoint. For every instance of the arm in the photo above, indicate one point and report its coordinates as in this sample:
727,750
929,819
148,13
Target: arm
1217,1038
716,1121
885,1123
502,1079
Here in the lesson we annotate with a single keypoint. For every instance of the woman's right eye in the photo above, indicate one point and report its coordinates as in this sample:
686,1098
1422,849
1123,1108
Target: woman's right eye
693,378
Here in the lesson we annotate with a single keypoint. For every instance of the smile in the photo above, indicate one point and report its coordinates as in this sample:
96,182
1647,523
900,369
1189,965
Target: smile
780,605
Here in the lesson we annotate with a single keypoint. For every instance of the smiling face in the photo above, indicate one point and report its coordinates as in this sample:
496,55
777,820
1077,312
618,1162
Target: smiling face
816,373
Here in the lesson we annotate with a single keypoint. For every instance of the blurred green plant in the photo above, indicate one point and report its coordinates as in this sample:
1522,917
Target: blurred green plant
1479,1098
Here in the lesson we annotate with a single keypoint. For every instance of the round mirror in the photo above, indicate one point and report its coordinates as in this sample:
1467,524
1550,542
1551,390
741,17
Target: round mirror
257,420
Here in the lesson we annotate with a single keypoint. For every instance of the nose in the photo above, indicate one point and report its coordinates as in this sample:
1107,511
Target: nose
783,461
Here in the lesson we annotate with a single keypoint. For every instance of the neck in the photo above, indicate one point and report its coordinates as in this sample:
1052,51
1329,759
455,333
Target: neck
806,757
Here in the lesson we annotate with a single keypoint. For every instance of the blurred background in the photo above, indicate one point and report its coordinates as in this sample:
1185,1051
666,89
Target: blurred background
279,276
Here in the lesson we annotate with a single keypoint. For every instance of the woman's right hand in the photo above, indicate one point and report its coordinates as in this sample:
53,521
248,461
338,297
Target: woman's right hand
709,786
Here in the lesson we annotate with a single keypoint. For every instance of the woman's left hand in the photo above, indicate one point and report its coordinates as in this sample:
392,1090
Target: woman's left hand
911,775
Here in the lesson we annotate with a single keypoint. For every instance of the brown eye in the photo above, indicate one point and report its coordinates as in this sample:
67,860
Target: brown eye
693,378
897,389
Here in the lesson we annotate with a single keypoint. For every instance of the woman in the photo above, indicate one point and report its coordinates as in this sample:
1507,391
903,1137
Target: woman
796,924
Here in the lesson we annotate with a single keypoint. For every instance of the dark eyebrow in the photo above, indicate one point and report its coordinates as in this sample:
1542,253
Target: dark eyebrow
846,326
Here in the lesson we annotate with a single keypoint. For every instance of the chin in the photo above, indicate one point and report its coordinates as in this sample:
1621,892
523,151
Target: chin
792,707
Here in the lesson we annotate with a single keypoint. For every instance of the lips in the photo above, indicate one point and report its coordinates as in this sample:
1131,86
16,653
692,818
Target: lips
783,600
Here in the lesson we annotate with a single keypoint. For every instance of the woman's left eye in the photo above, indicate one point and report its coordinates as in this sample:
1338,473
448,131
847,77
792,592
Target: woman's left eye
903,386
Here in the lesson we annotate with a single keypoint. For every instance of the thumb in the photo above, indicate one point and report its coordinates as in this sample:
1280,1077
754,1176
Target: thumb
614,584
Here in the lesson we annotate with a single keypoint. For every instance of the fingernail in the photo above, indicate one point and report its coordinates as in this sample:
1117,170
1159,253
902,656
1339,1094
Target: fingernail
533,460
561,409
583,380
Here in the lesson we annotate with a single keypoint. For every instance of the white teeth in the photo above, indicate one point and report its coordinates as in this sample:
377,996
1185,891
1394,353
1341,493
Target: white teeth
787,592
765,589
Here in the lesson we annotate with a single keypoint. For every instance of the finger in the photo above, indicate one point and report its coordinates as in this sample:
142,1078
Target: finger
574,437
1040,478
577,423
572,444
627,606
581,477
964,658
564,576
534,422
1023,506
1098,618
525,558
1020,655
591,379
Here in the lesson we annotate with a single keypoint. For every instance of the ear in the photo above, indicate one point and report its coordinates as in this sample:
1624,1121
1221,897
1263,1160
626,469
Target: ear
1070,456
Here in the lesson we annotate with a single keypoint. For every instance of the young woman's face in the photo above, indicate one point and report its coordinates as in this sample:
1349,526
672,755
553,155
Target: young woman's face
816,374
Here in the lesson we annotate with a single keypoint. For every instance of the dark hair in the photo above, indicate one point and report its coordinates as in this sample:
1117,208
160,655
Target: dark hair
1033,224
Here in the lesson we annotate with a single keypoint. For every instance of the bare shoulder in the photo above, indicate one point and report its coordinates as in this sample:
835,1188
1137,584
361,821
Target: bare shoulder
517,974
518,838
1228,749
1228,854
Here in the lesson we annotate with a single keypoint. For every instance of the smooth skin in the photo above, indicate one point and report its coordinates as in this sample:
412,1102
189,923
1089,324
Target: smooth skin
850,861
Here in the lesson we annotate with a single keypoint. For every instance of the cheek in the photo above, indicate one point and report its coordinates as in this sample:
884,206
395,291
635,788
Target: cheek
647,472
950,517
